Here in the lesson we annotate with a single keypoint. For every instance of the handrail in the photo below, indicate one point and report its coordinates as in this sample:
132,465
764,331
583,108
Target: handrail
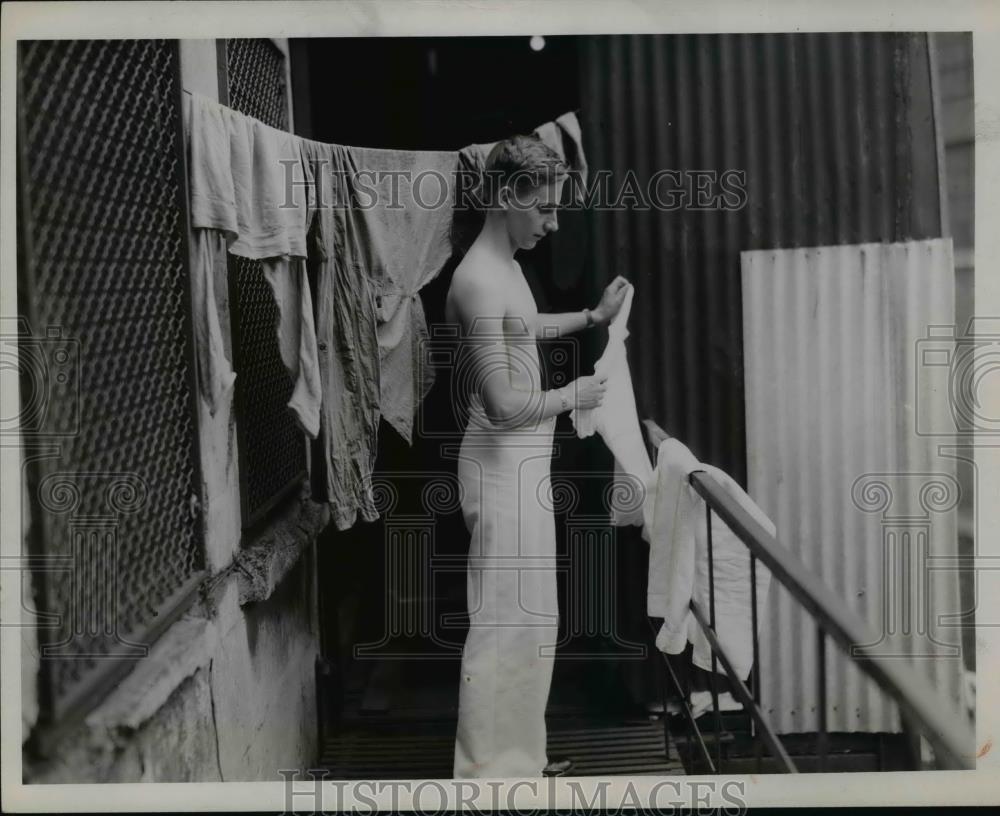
739,687
951,739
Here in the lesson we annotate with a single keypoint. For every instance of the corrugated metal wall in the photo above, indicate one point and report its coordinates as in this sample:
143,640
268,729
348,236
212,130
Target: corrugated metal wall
951,52
835,135
847,405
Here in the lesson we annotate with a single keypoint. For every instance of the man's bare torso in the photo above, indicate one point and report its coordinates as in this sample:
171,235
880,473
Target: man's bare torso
513,318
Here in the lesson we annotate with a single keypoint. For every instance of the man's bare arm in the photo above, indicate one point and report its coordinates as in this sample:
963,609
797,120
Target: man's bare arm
562,323
480,308
559,325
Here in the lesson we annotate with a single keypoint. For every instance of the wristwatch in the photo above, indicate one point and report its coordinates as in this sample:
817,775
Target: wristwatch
562,399
590,318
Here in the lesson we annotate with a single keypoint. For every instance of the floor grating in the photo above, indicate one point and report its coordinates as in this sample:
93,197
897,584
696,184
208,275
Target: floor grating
413,750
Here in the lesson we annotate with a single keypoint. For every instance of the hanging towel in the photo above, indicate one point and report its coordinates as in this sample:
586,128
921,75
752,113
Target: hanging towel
215,373
249,182
617,421
678,562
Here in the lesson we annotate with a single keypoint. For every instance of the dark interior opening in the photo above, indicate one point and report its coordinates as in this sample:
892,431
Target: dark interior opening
443,94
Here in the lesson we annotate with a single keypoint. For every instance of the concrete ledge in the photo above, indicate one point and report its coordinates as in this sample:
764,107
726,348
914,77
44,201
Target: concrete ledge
263,565
190,643
183,649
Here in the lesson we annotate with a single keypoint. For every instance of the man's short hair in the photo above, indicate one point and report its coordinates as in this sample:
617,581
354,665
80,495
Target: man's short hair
521,162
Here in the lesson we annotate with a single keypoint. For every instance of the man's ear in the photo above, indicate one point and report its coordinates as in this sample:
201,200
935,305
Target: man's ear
503,198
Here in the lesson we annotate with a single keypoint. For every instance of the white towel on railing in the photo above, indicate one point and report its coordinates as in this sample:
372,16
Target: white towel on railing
675,526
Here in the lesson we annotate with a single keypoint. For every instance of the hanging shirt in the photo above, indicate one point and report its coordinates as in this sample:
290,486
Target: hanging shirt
617,421
399,234
289,284
347,342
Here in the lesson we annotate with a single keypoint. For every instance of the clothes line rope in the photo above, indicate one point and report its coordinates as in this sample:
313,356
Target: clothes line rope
369,329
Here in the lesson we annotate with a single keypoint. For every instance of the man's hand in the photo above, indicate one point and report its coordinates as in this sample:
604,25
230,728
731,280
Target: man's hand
589,391
611,301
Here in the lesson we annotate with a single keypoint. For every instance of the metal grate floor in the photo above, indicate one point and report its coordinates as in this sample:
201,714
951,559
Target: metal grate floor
426,750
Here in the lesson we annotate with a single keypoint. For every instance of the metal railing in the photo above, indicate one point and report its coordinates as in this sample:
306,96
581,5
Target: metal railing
919,705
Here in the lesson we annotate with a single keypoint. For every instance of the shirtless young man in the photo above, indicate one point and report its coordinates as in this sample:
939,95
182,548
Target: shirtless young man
504,466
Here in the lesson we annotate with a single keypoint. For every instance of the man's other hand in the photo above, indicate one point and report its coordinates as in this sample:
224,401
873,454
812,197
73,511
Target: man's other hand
611,301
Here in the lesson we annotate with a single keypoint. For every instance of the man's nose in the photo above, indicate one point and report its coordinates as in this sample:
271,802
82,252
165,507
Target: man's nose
552,225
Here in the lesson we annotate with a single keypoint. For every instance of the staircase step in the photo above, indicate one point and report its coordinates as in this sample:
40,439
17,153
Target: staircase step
836,763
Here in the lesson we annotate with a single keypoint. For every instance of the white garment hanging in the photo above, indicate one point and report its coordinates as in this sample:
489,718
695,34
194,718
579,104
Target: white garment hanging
250,184
678,562
297,338
215,373
617,421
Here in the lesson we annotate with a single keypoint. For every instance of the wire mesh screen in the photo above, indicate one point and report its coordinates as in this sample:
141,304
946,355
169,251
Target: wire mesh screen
106,354
256,76
272,448
272,452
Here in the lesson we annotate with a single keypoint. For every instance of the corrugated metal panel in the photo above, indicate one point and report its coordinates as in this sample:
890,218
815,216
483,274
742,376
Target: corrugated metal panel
835,136
843,369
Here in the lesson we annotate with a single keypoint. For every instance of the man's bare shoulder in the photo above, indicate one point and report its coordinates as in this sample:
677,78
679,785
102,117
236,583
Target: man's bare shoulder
479,287
480,272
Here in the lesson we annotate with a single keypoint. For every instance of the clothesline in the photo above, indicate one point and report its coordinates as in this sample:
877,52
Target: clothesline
369,329
575,111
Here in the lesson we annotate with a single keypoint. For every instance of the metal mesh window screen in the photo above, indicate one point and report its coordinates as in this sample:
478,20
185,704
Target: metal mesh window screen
106,365
272,447
256,80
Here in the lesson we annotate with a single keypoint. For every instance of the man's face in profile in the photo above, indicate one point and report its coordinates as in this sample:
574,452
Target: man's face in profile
531,213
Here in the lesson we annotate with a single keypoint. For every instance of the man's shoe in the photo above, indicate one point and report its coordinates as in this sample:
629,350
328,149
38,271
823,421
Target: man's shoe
558,766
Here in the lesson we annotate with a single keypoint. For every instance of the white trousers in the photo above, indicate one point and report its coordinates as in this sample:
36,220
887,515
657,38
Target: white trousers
513,605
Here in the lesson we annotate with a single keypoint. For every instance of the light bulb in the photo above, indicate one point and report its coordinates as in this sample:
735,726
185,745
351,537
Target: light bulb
537,43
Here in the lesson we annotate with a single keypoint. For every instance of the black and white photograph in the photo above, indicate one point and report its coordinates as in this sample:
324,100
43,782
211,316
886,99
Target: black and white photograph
493,405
